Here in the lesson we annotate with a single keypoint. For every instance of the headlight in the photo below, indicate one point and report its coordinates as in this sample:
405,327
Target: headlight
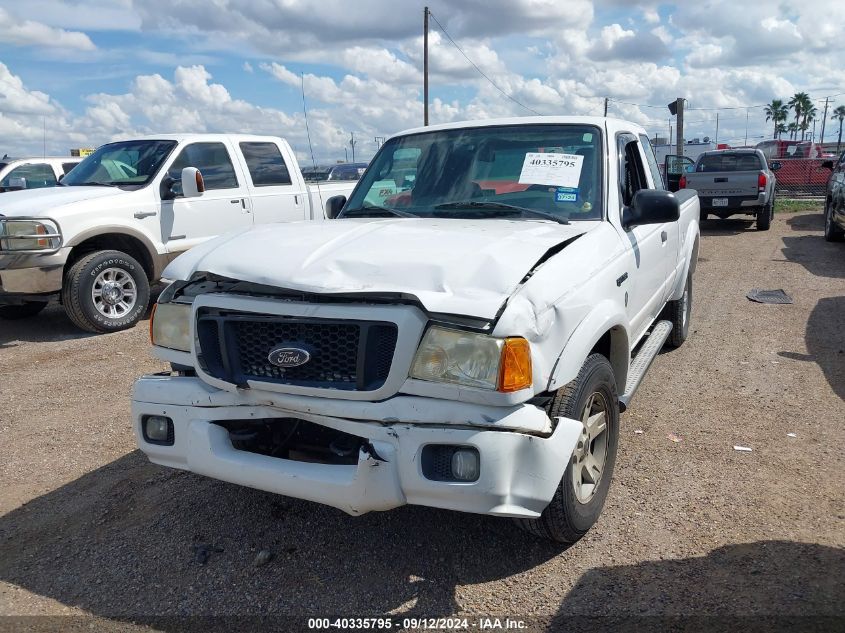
474,360
170,326
29,235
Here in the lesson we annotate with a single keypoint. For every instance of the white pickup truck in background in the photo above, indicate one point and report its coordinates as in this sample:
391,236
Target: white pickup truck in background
98,239
464,335
34,173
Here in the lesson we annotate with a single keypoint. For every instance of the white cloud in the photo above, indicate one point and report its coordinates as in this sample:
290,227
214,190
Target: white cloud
22,32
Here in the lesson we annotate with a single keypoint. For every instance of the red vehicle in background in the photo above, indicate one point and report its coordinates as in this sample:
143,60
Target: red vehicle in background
801,169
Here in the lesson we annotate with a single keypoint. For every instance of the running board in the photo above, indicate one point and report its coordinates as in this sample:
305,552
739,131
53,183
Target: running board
642,361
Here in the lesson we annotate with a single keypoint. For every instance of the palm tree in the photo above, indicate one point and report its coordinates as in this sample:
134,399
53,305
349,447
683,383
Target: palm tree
839,113
799,102
807,117
780,128
776,112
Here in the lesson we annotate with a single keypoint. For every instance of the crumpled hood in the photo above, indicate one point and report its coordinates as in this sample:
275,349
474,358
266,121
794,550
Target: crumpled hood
453,266
41,202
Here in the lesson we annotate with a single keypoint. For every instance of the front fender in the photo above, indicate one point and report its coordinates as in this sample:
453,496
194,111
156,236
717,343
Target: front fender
605,317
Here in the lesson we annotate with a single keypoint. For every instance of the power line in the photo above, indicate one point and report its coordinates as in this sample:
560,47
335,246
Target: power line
480,72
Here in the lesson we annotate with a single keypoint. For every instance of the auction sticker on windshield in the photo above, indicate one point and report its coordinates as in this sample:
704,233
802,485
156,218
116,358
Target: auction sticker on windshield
561,170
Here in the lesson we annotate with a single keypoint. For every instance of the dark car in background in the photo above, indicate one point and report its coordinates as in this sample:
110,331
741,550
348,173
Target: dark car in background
341,171
834,200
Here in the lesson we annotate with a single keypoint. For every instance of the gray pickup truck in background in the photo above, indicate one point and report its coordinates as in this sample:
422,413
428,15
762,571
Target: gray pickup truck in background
732,182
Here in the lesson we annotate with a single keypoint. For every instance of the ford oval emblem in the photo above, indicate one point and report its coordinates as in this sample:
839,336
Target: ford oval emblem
288,356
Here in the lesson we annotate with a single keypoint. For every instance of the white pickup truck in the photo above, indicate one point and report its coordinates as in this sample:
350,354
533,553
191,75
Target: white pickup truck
464,335
99,239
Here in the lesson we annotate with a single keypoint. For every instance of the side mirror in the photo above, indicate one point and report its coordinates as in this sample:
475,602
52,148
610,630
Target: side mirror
192,183
651,206
334,206
826,164
776,165
166,187
16,183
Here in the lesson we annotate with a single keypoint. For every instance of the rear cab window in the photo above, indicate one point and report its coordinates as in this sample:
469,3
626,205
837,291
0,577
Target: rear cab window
265,163
728,162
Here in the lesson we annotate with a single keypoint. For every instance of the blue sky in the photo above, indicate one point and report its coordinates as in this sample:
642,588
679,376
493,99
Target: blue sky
94,70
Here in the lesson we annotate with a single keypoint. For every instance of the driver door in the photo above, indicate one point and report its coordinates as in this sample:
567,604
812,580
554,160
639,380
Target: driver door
224,206
674,167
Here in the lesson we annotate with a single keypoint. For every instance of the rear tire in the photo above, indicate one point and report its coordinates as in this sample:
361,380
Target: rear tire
832,233
764,216
576,507
22,311
106,291
679,313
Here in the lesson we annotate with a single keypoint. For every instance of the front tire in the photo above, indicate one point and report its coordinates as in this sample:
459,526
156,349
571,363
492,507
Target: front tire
106,291
22,311
578,501
832,233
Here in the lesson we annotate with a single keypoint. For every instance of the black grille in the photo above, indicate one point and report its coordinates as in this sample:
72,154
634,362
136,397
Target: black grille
351,355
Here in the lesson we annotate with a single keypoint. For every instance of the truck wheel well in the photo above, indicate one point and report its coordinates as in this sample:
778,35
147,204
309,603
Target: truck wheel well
613,345
113,241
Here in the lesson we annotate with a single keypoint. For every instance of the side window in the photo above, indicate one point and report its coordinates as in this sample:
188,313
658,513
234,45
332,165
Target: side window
651,159
37,175
212,159
265,163
631,172
66,167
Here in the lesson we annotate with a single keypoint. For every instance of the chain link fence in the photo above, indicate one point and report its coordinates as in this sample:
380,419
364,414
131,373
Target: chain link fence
802,177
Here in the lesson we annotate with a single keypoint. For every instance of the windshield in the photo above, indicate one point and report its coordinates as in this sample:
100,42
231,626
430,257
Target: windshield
128,164
729,162
545,171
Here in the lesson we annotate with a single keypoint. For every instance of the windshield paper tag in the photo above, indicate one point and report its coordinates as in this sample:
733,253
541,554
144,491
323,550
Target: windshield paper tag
561,170
566,194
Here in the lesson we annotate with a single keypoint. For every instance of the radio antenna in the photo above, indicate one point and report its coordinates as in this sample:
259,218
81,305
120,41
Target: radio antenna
305,113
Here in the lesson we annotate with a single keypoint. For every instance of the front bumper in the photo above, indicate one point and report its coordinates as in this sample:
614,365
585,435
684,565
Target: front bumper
37,274
519,472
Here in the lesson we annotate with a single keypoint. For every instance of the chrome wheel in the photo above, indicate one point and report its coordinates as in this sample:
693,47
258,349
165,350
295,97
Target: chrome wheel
590,453
114,293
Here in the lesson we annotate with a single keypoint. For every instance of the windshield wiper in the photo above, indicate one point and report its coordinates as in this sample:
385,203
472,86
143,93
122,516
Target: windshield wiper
476,204
363,211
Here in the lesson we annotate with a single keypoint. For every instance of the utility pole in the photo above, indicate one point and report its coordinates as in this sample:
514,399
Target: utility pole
605,106
352,145
824,118
679,144
717,130
746,126
425,66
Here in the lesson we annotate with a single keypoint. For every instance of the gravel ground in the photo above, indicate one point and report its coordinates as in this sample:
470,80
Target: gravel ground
691,527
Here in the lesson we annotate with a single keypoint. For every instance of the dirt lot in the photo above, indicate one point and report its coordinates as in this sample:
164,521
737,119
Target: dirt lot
88,526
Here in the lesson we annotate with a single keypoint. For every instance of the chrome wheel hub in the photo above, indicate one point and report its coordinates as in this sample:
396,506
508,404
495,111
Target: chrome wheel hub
114,293
589,456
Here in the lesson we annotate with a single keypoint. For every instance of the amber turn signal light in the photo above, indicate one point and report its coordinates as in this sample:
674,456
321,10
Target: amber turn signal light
515,367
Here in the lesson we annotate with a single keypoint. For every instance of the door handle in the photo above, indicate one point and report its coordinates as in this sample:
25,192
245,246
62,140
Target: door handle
140,215
664,236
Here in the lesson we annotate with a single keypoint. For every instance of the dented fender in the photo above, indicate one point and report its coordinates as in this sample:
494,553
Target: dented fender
606,316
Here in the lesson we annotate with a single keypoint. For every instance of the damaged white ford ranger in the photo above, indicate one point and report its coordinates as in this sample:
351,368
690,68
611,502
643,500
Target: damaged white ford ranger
463,335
